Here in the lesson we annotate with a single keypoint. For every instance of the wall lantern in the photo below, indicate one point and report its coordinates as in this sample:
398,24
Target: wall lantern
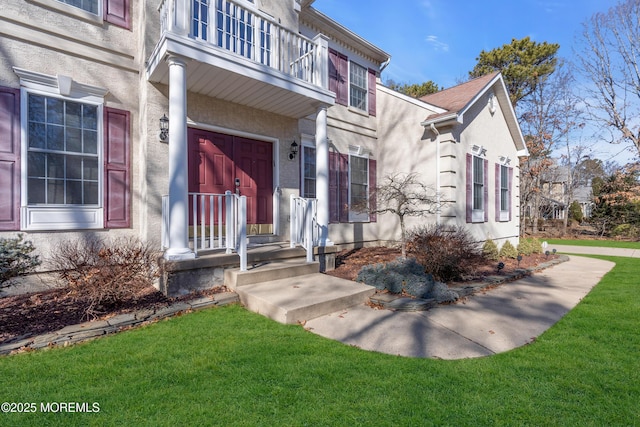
293,151
164,128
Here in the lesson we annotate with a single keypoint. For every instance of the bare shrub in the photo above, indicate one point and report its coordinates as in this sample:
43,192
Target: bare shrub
447,253
105,274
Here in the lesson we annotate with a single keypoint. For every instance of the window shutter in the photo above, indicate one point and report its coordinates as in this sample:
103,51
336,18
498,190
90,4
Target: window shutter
9,159
509,198
338,72
469,188
344,188
334,172
486,190
498,192
118,12
373,217
372,92
117,198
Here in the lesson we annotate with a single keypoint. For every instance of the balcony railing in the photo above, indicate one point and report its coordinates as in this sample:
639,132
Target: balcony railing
247,33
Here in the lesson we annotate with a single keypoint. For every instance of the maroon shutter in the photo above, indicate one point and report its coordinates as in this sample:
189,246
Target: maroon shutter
469,188
509,199
334,172
118,12
344,188
9,159
117,198
338,73
486,190
498,192
372,92
373,217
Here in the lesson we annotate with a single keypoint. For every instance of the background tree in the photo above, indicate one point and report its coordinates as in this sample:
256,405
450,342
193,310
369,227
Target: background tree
523,63
414,90
404,195
611,63
617,199
549,114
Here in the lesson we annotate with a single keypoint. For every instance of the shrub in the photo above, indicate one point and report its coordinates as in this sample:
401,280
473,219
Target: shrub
490,250
525,247
105,274
405,275
626,231
508,251
445,252
536,245
575,212
16,258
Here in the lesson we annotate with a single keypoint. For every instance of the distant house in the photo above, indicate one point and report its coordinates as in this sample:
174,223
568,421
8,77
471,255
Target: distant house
194,122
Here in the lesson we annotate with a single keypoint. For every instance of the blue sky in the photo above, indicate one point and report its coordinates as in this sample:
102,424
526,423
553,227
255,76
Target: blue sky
440,40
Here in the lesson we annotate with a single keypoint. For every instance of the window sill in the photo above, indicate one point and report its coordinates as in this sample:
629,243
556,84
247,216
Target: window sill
358,111
477,217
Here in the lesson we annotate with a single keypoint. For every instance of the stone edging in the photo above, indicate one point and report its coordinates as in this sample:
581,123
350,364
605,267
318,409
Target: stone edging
401,303
89,330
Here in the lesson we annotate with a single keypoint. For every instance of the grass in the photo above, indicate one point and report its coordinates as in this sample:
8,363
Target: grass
596,243
227,366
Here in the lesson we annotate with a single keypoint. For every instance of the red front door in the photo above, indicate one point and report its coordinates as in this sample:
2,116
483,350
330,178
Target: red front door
217,162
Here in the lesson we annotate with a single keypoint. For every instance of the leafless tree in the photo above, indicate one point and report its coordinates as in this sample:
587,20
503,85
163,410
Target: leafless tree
610,61
404,195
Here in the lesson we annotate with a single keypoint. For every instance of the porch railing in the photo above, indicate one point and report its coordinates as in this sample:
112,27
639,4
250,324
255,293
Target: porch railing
216,221
304,225
248,33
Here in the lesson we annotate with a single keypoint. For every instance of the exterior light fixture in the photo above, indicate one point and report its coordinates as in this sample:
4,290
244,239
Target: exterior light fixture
500,266
164,128
293,151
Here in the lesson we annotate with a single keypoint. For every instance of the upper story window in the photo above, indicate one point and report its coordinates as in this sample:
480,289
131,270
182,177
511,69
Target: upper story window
91,6
353,84
358,87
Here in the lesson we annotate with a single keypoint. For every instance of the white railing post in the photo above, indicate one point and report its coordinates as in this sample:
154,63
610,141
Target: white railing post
241,248
321,68
292,221
230,218
308,227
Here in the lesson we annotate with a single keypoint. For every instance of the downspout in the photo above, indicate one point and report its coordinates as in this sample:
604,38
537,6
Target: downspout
435,131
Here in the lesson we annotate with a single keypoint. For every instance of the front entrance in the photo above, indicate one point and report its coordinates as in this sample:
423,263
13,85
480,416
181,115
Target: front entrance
219,162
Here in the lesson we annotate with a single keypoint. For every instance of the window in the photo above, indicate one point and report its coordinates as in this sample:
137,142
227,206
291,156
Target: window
358,188
308,172
477,189
358,86
91,6
504,176
62,153
66,154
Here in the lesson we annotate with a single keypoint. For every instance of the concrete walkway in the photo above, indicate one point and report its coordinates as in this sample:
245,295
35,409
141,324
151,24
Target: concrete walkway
498,320
592,250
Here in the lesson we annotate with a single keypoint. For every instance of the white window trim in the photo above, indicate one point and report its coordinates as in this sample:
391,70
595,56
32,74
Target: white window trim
504,215
59,217
477,215
353,215
353,108
73,10
309,142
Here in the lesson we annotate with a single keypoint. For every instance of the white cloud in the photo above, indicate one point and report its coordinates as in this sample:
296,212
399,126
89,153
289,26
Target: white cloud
437,44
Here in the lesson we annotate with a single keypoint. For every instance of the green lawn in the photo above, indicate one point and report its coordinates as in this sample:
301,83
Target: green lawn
226,366
597,243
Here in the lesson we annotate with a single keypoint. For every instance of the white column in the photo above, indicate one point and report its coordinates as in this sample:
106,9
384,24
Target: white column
178,163
322,176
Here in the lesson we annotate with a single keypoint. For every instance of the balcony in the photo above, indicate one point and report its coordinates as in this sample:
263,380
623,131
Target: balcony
242,56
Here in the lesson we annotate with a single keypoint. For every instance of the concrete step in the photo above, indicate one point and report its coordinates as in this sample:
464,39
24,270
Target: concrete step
298,299
266,271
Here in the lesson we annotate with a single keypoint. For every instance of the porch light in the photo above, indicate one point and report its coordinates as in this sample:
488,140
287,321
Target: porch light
164,128
293,151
